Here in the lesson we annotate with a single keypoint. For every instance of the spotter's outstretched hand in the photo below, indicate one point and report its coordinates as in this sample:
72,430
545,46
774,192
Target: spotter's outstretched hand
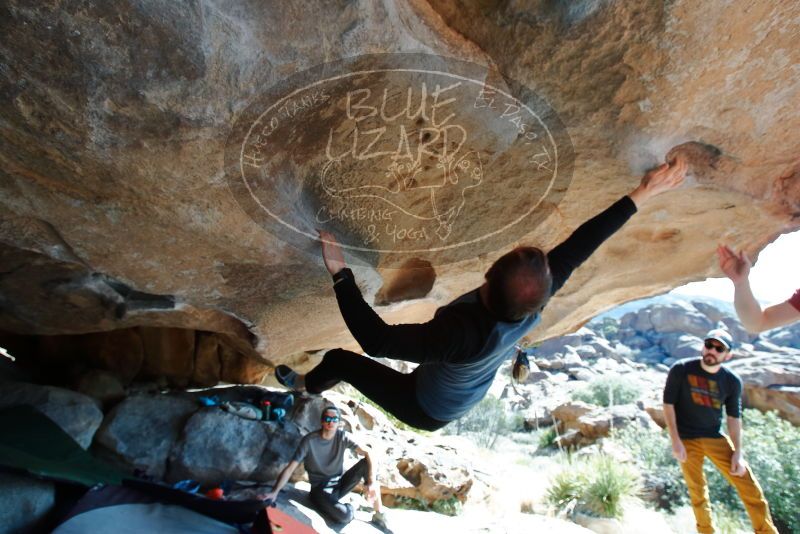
735,266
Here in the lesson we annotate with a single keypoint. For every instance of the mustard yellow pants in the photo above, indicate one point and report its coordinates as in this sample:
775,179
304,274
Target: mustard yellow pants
719,451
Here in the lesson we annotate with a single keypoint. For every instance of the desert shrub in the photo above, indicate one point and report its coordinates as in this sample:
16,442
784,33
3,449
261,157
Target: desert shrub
727,521
608,328
566,489
608,390
527,507
451,506
611,484
485,422
548,437
597,486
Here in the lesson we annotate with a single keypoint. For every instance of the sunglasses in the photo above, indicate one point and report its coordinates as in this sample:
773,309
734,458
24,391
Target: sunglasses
329,419
711,345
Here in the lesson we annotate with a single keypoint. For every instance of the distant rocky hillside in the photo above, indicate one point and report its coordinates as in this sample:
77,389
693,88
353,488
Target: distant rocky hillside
655,336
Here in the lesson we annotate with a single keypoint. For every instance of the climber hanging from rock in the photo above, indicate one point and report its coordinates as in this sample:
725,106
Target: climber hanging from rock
460,350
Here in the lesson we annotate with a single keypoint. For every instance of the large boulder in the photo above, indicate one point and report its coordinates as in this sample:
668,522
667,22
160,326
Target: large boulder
435,479
101,385
679,346
558,344
78,415
580,424
771,383
599,422
682,318
307,411
788,336
141,430
27,502
216,446
279,447
566,414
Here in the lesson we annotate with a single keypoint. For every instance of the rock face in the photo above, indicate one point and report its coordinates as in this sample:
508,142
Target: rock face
78,415
26,503
116,214
581,424
141,431
102,363
216,446
772,383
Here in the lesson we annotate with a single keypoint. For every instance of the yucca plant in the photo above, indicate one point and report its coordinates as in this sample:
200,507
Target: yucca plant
598,486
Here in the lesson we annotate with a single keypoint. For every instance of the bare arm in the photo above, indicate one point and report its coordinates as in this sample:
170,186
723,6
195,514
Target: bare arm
678,450
737,268
283,478
371,467
373,487
757,320
738,466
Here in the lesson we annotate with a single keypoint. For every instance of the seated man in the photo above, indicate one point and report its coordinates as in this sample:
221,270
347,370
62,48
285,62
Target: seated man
694,395
322,454
737,268
466,342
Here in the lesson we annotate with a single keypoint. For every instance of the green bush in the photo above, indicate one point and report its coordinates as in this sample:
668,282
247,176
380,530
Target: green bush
770,446
609,328
609,484
548,437
566,489
597,486
727,521
608,390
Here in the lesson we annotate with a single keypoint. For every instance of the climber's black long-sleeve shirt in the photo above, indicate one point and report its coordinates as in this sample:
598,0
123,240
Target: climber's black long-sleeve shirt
458,332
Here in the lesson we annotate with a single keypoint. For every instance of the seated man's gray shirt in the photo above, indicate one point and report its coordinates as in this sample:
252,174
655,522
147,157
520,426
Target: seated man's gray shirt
324,458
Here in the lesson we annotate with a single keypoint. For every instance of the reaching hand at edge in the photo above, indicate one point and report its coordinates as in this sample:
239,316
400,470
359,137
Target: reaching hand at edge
656,181
331,252
735,266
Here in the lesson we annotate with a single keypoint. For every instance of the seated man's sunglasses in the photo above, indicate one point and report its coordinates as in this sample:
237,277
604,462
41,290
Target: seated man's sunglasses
711,345
330,419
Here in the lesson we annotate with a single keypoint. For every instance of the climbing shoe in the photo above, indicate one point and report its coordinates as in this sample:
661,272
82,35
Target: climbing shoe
286,377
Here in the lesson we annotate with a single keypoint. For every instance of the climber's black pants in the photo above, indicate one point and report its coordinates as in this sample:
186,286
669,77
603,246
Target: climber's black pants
392,390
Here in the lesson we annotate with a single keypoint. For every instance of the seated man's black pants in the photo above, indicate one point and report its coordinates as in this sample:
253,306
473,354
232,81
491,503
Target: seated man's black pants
328,503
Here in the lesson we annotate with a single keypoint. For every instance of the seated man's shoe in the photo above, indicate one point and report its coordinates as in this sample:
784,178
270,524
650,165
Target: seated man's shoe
379,520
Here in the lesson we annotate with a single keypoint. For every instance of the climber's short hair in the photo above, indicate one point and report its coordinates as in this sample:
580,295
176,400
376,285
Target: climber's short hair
519,283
